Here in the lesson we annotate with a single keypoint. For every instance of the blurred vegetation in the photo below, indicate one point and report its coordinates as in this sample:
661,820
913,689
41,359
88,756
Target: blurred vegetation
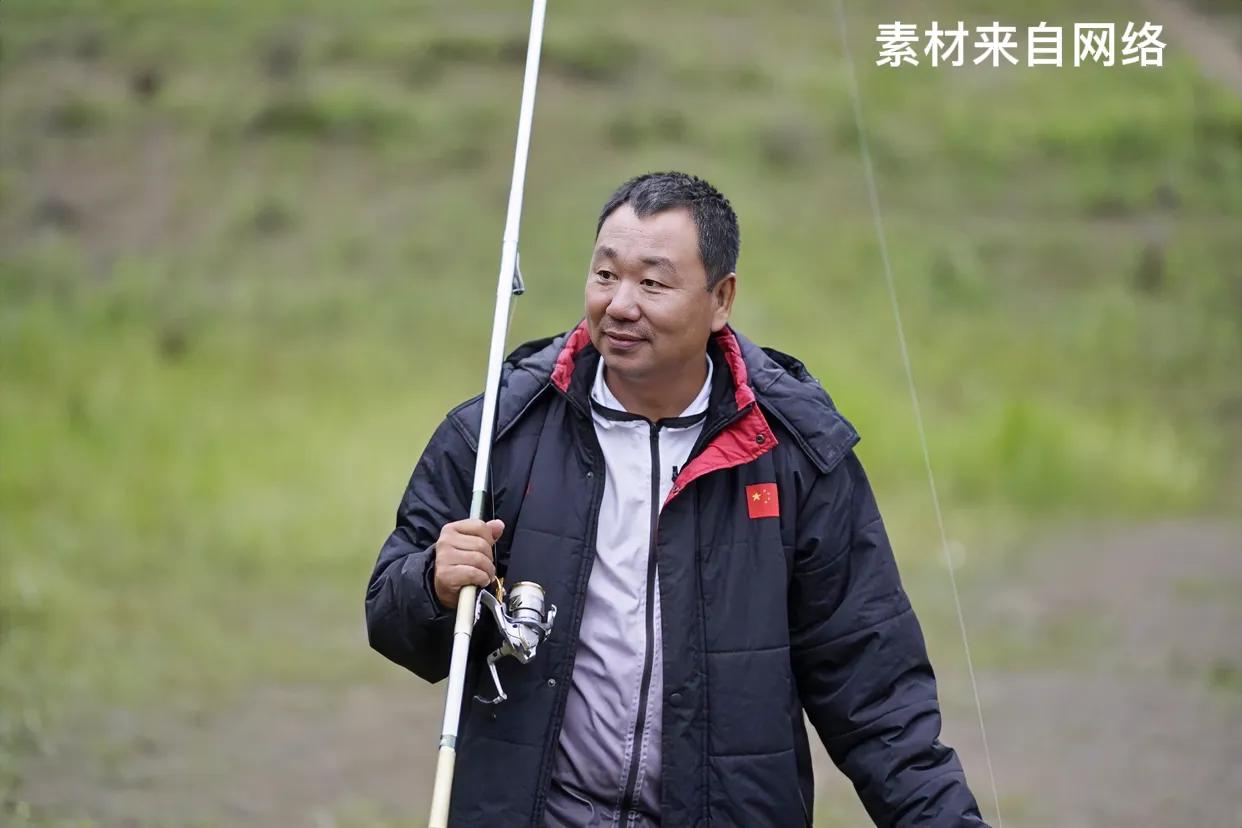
248,254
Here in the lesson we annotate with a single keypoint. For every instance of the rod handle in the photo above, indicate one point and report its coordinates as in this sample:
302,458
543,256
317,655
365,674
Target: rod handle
444,787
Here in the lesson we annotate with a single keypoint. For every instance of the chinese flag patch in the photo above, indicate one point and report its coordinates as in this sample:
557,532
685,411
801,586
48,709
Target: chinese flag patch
761,501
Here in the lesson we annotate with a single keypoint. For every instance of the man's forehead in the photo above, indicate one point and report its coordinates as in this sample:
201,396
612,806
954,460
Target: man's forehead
668,233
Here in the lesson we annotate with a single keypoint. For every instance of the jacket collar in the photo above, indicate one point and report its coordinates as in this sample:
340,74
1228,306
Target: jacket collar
604,401
744,373
577,361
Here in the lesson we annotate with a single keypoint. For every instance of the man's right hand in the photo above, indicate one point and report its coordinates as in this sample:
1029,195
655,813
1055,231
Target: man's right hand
464,556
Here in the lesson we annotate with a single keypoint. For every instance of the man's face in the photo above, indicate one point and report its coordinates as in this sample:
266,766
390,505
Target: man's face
647,305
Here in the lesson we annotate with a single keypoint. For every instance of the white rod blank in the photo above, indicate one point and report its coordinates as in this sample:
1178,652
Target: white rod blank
464,626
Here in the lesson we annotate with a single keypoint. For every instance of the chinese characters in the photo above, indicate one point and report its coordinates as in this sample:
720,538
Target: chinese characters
998,45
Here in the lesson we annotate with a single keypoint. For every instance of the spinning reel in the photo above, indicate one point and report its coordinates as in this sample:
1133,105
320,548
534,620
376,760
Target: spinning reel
523,624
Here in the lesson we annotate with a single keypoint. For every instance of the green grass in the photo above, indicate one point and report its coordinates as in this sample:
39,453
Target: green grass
249,257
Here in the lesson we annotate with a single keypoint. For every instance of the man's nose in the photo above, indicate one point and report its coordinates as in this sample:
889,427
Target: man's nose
623,304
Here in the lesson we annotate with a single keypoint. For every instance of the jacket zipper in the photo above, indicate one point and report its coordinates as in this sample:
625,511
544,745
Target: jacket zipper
628,803
628,800
558,713
558,710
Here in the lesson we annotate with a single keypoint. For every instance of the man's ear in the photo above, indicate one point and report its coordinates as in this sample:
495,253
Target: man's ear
722,301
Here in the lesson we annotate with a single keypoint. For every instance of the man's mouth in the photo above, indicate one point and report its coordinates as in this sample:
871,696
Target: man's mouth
620,340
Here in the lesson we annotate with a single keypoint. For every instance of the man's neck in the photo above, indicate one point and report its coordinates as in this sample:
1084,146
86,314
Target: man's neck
662,397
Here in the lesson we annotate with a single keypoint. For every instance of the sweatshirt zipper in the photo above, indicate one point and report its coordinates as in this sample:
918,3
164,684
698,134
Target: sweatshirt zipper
596,471
628,802
631,782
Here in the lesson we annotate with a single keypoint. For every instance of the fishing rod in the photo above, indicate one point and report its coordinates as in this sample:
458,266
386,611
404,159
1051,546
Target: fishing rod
523,623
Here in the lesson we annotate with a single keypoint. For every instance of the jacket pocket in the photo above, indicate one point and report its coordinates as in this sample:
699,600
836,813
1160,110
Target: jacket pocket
749,701
756,790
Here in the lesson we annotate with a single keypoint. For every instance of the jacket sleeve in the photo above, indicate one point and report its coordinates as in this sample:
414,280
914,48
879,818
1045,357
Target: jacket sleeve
861,663
405,621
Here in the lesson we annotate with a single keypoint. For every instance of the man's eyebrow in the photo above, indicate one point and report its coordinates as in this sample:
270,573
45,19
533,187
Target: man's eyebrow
663,263
659,261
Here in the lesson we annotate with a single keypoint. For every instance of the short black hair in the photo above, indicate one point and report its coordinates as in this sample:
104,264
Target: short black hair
719,237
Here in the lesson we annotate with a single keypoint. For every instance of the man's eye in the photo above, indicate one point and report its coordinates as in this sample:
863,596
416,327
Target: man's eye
651,283
604,274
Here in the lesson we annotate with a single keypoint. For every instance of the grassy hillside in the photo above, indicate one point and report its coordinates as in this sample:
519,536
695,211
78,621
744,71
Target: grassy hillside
248,253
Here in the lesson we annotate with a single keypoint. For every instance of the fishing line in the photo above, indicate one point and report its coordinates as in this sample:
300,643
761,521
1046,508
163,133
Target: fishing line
878,220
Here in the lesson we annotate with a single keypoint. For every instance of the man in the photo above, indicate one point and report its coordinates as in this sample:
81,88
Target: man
692,504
